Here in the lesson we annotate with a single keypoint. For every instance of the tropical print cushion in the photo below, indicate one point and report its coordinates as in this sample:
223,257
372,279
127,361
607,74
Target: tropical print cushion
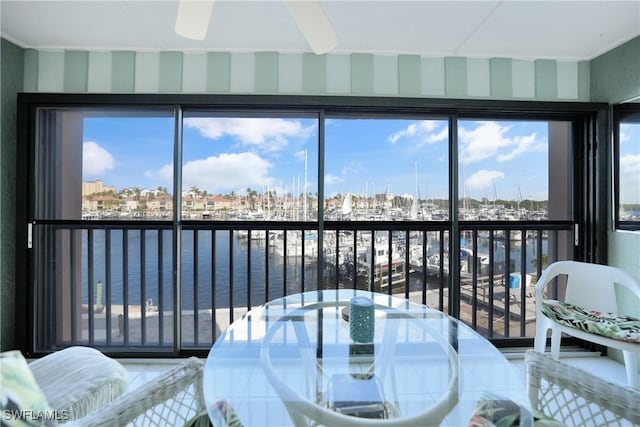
223,412
610,325
497,411
22,403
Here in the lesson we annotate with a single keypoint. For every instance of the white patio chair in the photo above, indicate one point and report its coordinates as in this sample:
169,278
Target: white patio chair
574,397
589,311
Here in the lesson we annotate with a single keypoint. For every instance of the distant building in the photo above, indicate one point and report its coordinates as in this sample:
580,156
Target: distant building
95,186
100,203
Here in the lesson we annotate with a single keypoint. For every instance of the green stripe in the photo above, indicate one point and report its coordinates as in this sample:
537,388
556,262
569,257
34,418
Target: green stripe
314,73
409,75
338,74
546,79
242,78
567,80
99,79
584,80
51,72
433,76
76,71
361,73
385,75
218,72
194,72
170,72
478,77
501,78
266,72
31,70
147,72
523,75
122,71
290,73
455,75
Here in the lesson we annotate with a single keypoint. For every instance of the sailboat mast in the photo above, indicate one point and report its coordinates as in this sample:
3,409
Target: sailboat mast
417,187
304,189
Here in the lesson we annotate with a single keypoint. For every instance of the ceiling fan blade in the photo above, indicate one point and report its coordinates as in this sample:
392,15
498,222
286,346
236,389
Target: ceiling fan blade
193,17
314,24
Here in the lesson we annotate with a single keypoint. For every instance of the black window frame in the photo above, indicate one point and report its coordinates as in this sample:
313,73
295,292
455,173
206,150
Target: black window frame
621,113
591,174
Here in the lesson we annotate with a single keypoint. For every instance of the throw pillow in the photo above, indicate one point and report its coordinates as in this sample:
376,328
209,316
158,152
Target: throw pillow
498,411
21,400
223,410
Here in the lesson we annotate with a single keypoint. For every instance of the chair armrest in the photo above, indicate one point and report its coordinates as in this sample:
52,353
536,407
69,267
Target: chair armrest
170,399
546,276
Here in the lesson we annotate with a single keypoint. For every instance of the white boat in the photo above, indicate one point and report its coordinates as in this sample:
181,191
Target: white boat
295,245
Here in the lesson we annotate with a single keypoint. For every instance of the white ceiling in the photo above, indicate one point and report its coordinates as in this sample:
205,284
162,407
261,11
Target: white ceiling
560,29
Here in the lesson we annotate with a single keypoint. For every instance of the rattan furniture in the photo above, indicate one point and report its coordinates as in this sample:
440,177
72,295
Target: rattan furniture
575,397
79,380
171,399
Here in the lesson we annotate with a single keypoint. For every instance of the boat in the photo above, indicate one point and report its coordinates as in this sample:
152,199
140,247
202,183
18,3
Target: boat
378,266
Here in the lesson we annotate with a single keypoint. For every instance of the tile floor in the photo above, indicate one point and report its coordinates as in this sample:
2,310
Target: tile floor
143,371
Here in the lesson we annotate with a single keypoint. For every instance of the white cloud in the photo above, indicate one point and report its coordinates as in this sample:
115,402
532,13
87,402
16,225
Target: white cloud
95,159
443,135
300,155
423,131
630,178
483,179
228,171
624,137
166,172
489,139
630,164
330,179
269,134
522,145
353,168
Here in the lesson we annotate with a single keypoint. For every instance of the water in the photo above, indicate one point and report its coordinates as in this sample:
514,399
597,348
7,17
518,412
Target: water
231,278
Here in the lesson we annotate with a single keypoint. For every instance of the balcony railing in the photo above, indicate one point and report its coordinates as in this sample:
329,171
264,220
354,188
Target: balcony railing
118,285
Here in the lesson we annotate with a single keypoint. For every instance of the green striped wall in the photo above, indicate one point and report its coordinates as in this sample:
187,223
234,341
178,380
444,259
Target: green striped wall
274,73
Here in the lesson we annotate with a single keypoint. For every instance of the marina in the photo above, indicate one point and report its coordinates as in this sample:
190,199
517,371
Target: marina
347,257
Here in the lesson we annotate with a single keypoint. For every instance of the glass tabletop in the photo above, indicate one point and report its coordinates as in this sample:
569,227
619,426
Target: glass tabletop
293,361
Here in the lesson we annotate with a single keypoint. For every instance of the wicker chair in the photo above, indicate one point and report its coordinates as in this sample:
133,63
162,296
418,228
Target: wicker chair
170,400
79,380
575,397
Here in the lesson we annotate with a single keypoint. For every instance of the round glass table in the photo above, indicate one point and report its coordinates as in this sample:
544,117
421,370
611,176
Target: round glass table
293,361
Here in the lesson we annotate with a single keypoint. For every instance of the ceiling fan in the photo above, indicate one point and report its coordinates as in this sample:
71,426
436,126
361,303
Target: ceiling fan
192,21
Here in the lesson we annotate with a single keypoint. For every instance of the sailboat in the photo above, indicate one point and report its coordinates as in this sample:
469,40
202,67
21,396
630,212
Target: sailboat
347,207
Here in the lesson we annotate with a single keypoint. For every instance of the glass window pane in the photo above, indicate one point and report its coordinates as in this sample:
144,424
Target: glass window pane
629,171
514,170
104,164
386,169
250,168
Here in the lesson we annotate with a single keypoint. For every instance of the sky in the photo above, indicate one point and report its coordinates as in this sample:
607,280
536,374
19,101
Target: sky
630,163
498,159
